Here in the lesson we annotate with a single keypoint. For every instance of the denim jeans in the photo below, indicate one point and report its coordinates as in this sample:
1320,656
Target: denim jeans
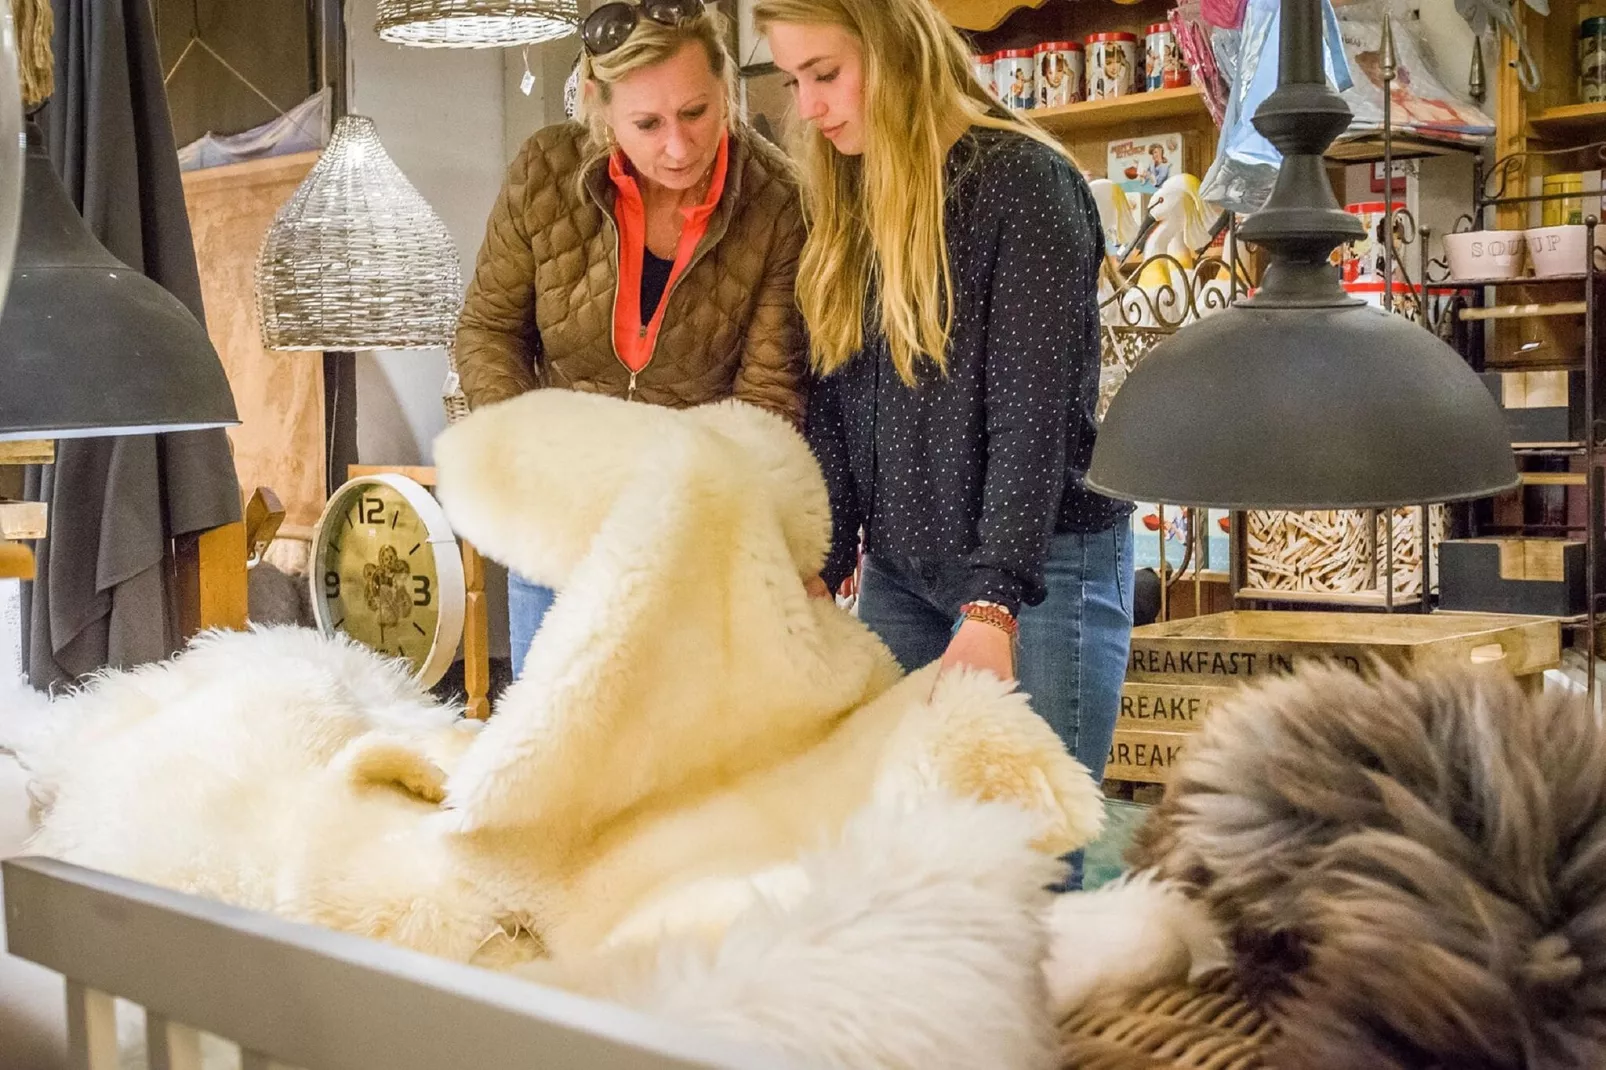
1073,644
527,604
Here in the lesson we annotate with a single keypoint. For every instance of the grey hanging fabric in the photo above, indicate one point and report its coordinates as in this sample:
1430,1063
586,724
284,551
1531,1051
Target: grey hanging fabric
104,594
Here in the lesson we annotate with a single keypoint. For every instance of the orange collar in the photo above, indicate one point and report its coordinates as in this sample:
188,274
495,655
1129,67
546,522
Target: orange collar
634,341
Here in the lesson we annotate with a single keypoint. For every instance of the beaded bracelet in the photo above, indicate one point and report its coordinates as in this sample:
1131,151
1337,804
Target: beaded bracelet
991,613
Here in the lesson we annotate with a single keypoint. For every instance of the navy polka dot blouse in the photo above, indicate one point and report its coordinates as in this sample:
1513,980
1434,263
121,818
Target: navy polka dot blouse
980,467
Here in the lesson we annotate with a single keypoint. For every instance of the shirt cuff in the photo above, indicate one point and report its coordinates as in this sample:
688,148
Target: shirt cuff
987,584
838,567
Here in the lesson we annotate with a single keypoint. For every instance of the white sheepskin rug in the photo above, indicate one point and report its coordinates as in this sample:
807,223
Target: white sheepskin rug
702,769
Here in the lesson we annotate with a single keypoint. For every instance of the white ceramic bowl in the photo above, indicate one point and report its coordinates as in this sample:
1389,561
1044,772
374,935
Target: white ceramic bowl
1560,250
1486,254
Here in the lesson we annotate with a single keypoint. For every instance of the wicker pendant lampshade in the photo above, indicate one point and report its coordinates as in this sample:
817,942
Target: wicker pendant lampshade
357,260
476,23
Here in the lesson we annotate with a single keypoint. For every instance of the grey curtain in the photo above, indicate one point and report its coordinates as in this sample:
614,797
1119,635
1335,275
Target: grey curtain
104,593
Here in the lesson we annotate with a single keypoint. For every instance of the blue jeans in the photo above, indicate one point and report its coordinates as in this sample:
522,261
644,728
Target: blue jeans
527,604
1073,644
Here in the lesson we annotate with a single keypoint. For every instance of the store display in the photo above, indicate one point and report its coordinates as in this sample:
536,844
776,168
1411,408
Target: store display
1112,65
1592,60
1015,78
1162,59
387,571
1060,69
1341,551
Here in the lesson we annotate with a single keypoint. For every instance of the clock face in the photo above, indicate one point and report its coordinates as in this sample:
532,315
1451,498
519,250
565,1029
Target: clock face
378,575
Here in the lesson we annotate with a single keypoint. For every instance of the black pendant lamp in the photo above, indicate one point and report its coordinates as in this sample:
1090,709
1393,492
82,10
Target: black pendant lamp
89,346
1302,397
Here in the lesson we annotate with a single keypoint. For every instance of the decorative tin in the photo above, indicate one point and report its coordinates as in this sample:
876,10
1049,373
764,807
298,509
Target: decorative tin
1015,75
1112,63
1592,60
1059,73
1164,67
983,66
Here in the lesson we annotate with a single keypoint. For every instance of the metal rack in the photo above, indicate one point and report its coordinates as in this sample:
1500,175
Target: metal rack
1491,192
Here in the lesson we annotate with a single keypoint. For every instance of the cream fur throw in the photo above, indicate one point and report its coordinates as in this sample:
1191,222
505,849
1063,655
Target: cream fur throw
691,728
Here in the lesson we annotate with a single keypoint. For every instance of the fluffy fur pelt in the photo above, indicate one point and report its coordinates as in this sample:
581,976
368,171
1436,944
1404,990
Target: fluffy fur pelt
1407,873
689,726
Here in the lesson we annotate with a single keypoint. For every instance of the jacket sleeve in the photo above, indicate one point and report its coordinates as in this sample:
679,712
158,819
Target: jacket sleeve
775,351
823,430
1042,343
498,345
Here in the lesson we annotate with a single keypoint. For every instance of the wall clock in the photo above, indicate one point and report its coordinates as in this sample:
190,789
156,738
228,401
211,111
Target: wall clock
387,571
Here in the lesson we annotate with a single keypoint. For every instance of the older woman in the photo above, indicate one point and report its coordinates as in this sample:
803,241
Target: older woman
648,253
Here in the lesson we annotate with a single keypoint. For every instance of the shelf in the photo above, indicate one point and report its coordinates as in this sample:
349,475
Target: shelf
1368,148
1514,312
1186,102
1564,122
1366,599
1551,479
1549,449
1521,280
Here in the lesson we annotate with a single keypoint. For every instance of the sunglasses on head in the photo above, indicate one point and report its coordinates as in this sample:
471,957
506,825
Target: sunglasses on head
610,26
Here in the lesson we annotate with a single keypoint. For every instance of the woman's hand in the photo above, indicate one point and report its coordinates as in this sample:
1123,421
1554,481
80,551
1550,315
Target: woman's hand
816,587
978,645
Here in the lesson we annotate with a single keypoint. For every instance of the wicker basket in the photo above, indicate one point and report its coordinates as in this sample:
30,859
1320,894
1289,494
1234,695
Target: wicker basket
1201,1026
357,260
475,23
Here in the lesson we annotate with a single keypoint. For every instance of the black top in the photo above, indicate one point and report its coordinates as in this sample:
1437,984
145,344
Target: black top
975,470
654,280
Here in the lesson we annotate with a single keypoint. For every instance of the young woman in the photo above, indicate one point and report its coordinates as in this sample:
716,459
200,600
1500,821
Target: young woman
949,283
649,253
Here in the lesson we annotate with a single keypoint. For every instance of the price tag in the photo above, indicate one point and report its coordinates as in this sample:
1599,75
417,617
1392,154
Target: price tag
527,83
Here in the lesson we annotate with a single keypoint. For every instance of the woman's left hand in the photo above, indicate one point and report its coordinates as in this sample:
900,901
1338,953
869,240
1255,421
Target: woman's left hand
978,645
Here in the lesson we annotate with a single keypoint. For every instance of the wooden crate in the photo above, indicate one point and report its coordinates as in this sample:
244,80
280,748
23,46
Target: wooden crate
1244,645
1181,670
1148,707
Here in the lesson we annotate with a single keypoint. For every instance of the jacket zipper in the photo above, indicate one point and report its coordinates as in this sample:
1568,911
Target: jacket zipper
613,300
663,303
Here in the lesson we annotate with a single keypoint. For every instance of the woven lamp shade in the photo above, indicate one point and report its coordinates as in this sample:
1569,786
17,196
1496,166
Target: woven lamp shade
357,260
475,23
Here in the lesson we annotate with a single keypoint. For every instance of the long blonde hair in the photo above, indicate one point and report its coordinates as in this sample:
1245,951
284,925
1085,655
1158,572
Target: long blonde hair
877,220
648,45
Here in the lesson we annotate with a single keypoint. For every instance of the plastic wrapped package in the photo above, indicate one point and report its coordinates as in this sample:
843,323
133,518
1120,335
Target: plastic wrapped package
1245,168
1422,105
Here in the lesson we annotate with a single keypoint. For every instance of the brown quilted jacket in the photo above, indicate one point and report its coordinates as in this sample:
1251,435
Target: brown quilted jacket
539,311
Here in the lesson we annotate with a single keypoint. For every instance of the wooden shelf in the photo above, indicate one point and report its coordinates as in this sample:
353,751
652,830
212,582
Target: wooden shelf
1570,120
1354,599
1072,119
1368,148
981,15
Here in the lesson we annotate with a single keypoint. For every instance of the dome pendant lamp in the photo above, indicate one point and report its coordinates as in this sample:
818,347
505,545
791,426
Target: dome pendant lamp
1302,396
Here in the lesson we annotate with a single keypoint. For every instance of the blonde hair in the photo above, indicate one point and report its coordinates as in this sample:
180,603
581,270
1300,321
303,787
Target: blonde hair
877,220
648,45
